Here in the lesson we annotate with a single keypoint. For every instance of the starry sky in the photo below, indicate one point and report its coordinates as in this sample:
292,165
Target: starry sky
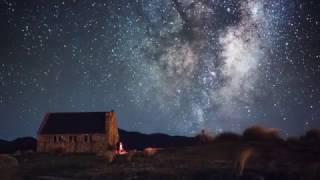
169,66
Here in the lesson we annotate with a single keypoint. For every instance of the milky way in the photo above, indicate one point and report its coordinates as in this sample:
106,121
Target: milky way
171,66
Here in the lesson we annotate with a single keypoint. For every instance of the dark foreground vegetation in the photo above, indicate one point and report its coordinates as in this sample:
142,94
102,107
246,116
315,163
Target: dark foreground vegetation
258,154
19,144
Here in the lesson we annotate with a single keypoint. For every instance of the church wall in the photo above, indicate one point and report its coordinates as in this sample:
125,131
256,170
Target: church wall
72,143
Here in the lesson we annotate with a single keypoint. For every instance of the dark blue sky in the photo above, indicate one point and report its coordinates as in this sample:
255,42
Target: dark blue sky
170,66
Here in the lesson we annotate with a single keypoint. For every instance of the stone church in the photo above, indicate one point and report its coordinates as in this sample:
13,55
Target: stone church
86,132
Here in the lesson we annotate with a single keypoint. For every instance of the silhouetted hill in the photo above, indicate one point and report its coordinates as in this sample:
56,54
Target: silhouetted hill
130,140
21,144
3,142
139,141
4,146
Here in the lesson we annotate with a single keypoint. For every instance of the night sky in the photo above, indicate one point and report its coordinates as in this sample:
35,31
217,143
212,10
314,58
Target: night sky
169,66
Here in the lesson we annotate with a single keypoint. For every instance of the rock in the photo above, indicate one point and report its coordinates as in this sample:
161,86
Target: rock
150,151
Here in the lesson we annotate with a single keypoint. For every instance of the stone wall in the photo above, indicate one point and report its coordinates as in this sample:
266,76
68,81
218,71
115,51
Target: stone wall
71,143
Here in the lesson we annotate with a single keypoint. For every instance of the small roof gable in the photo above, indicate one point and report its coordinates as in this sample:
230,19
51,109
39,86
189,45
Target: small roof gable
74,123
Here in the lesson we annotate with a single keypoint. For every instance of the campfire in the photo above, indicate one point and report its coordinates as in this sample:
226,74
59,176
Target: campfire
120,150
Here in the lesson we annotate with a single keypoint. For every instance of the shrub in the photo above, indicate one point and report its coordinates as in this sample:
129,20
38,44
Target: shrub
227,137
258,133
312,135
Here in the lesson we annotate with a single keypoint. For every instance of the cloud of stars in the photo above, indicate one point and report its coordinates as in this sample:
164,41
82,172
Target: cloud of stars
168,66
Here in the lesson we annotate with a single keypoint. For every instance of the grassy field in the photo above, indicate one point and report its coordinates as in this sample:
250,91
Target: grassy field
269,160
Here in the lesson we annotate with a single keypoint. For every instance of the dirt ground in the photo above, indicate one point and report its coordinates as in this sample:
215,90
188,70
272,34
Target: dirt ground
234,160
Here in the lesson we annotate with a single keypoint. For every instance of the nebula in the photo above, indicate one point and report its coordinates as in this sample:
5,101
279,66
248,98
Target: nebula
202,70
169,66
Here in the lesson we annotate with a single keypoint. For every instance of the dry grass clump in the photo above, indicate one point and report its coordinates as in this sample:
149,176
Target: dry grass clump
227,137
259,133
242,160
108,155
8,167
130,155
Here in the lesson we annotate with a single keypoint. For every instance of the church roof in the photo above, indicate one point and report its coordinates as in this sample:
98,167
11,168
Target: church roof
74,123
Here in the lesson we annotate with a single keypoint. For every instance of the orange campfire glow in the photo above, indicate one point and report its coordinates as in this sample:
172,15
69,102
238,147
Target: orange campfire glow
120,150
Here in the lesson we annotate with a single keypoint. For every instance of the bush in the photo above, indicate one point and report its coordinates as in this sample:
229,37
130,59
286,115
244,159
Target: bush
227,137
312,135
258,133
